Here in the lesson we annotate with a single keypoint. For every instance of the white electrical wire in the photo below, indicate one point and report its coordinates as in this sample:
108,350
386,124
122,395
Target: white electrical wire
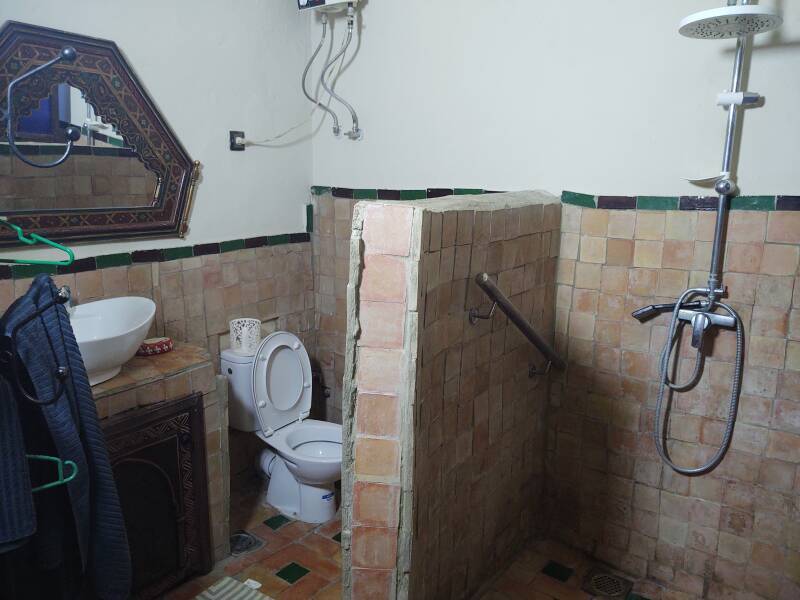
305,121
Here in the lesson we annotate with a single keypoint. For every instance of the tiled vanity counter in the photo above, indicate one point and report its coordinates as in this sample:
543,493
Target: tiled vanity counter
147,381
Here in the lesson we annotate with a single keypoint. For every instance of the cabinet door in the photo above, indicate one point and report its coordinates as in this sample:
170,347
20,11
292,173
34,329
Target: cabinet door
159,461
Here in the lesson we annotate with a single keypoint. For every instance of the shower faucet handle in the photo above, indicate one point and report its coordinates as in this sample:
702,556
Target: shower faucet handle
703,320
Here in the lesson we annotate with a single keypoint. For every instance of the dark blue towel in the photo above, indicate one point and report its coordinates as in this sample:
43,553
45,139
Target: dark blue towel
43,345
17,515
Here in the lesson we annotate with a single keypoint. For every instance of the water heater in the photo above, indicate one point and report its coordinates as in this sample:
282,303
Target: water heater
325,5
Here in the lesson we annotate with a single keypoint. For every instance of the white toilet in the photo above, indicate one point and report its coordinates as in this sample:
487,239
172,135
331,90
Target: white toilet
270,393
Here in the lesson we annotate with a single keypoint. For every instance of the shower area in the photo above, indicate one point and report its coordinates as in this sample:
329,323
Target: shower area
469,468
575,397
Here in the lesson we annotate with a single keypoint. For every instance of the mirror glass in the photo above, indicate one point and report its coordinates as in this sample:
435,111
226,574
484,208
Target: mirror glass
102,171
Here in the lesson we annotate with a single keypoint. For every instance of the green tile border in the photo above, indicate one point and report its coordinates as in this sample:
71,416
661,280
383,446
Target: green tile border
24,271
753,203
404,194
413,194
113,260
757,203
178,253
367,194
231,246
277,240
577,199
139,257
657,202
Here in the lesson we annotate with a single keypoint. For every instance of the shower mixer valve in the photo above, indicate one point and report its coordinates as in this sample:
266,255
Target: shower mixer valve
703,320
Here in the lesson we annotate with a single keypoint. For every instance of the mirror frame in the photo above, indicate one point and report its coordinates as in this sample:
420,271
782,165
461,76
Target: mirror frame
112,88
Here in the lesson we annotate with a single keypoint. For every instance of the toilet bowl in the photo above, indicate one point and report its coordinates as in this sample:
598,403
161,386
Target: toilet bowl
270,394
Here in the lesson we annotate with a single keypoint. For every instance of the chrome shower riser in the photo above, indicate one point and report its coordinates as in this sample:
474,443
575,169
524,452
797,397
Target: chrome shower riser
740,22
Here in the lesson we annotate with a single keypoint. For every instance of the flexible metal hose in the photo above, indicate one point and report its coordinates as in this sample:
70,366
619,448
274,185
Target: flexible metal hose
356,131
336,128
659,431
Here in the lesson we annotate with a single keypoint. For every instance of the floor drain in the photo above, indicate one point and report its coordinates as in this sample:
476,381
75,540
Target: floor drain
243,542
606,585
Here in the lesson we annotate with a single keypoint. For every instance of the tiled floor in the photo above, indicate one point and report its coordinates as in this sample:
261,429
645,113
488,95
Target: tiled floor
524,579
298,561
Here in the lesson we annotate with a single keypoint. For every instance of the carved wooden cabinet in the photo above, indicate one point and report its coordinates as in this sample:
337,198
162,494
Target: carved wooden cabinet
159,461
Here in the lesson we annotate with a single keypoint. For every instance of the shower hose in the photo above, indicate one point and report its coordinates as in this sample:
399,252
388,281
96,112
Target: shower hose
673,337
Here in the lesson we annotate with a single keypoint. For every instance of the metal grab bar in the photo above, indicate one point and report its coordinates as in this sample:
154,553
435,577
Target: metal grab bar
513,314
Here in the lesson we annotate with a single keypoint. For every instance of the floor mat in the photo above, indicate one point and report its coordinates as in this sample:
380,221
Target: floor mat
230,589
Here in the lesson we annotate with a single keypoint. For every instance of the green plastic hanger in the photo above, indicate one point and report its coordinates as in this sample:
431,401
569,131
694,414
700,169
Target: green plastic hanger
60,464
35,238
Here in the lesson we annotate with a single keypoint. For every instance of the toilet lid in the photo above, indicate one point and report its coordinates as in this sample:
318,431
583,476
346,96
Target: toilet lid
281,381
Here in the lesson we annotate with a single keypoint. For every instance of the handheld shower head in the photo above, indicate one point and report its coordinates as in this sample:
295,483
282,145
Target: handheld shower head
730,22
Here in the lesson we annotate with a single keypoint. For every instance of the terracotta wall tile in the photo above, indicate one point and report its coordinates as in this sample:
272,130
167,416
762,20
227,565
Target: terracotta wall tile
382,324
594,222
378,415
680,225
746,226
621,224
780,259
376,504
383,279
620,252
650,225
593,249
783,227
377,458
648,254
372,584
387,229
374,547
379,370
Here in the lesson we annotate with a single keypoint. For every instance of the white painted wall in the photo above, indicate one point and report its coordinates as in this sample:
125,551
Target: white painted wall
211,67
588,95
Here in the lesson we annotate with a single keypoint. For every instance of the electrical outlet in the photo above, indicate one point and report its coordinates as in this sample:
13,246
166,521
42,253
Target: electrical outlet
236,146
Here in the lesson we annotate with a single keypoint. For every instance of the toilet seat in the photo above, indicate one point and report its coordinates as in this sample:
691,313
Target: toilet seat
281,382
318,441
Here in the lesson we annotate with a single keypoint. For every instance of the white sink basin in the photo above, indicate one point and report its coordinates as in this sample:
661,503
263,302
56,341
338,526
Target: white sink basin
109,332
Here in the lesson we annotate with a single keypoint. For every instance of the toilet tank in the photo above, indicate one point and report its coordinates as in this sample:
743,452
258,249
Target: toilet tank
241,409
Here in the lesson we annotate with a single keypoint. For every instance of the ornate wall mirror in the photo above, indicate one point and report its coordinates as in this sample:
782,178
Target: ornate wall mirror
127,176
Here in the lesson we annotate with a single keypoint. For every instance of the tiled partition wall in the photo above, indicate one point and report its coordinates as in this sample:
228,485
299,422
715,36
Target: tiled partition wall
445,438
331,216
736,532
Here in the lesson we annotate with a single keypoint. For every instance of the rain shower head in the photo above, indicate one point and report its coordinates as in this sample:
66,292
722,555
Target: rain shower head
730,22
